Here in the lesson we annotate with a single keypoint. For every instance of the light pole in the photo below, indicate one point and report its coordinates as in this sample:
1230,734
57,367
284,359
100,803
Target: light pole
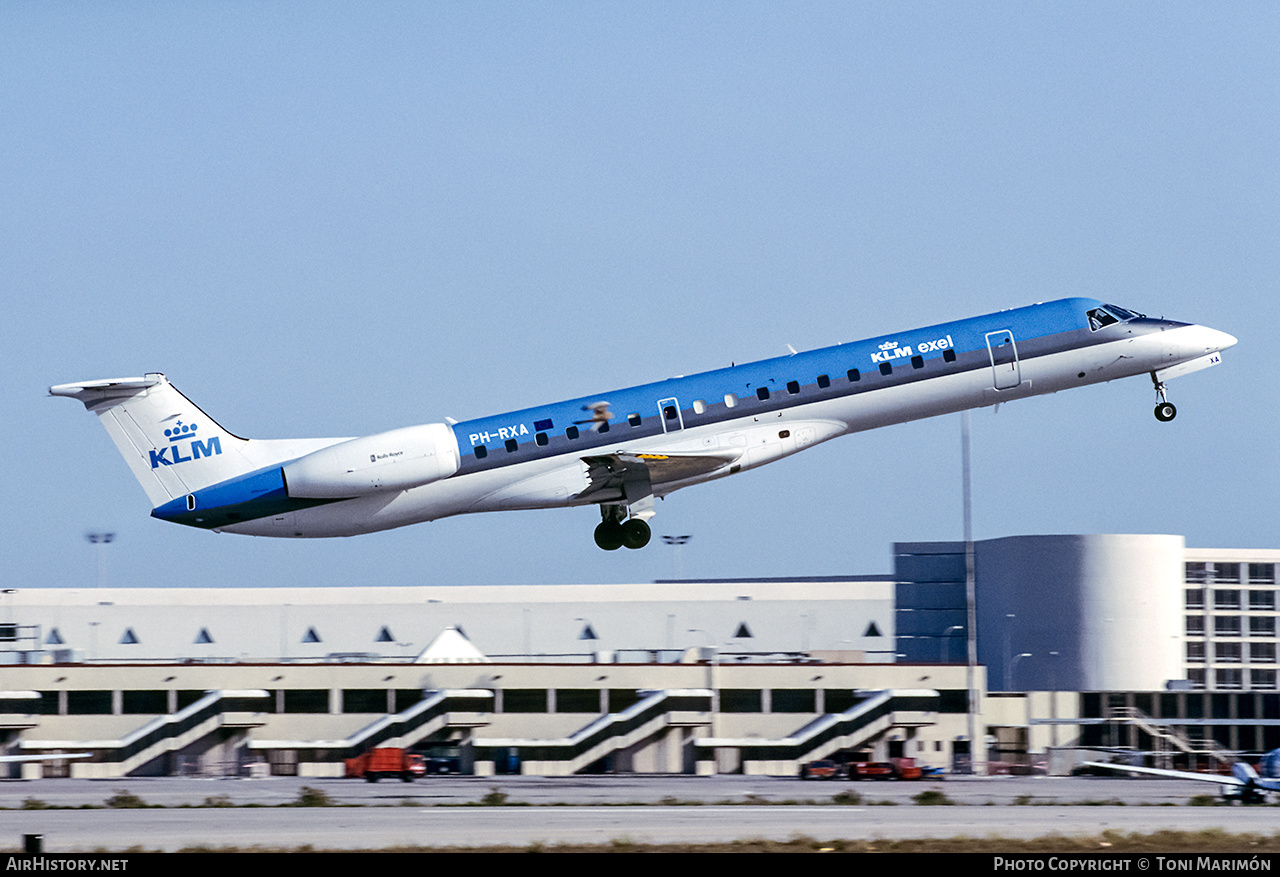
100,539
946,641
1008,646
711,673
1008,670
1053,696
970,596
677,542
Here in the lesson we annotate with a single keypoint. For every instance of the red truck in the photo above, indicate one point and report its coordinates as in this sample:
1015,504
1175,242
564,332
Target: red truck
906,768
893,769
870,770
387,762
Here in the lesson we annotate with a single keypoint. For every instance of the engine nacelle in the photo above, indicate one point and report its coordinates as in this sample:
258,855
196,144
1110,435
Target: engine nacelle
395,460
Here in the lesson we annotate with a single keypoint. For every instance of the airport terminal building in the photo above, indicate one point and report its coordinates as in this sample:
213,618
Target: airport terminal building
1103,640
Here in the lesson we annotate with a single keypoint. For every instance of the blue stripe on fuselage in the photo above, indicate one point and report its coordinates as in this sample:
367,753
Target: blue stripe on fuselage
247,497
1034,329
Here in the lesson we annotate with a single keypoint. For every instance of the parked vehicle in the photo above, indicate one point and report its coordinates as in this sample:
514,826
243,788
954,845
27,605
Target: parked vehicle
824,769
443,764
870,770
387,761
905,769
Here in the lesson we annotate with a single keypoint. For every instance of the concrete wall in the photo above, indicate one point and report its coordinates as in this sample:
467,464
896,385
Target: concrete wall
272,624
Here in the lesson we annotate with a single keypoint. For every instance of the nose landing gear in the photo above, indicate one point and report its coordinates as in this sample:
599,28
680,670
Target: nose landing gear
1165,410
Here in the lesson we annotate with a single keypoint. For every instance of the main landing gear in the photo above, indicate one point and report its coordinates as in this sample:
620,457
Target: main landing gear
613,532
1165,411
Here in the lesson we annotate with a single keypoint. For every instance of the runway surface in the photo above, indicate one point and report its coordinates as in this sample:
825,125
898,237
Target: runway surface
603,809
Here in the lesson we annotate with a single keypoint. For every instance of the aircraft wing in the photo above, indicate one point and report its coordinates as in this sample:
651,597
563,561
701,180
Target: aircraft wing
1177,774
608,473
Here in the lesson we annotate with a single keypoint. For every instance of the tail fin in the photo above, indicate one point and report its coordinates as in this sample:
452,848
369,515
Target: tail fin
172,446
1244,771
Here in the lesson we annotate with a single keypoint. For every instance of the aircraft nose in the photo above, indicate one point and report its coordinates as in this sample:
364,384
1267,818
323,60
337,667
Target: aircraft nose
1219,340
1198,340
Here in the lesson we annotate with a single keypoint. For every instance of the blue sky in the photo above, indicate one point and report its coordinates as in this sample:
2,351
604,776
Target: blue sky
336,219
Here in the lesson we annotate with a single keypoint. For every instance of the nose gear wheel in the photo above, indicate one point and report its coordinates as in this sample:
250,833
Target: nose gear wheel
1165,410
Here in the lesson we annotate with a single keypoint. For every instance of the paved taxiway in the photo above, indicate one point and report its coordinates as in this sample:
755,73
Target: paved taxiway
394,814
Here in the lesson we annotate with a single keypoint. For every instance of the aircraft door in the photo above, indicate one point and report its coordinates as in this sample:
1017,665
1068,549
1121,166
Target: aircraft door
1004,359
670,414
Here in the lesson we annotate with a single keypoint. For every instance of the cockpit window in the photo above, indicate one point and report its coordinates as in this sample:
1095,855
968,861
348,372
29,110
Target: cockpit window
1108,314
1099,317
1123,313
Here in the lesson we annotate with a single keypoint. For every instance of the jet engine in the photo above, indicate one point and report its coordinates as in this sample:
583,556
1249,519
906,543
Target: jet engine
395,460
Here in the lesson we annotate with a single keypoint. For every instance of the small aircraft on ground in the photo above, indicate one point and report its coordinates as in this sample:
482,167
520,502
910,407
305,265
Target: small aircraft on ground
621,450
1245,784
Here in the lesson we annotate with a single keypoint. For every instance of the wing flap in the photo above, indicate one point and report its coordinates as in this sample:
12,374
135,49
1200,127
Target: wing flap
607,474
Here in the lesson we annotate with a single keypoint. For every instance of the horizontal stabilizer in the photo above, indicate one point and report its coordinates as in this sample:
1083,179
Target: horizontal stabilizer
95,393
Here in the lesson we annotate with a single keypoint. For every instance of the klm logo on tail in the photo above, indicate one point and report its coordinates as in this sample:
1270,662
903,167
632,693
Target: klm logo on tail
179,435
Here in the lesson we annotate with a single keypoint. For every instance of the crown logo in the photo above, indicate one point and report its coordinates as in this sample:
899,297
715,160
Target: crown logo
888,345
180,431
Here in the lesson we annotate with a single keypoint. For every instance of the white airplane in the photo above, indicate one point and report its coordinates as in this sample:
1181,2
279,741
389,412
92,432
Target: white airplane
1245,784
620,450
29,759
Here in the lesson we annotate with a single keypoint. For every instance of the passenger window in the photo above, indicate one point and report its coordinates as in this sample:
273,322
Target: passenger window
604,427
633,419
793,387
762,393
699,406
541,439
669,412
730,400
571,432
886,368
824,381
917,362
949,355
854,375
481,452
511,446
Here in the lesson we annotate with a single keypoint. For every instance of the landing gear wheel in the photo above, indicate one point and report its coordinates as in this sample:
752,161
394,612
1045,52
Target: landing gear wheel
1166,412
635,533
609,535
